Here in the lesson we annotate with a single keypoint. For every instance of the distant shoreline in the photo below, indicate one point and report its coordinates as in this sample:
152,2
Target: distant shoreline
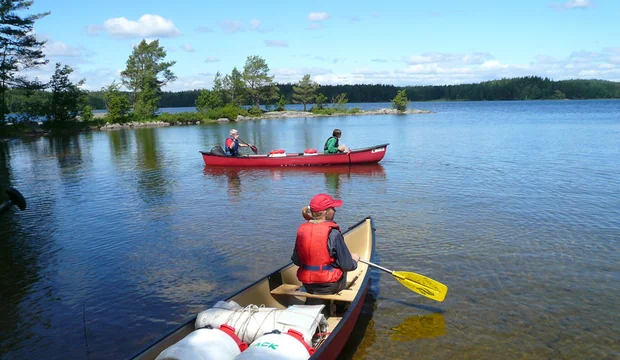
271,115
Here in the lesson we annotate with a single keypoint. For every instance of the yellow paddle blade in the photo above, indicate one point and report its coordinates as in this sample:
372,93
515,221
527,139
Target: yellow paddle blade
422,285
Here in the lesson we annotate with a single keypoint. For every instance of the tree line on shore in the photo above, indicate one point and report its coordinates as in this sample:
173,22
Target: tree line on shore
523,88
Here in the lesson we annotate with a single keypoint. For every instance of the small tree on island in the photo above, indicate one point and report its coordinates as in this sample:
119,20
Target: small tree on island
146,73
340,102
305,91
116,102
400,101
320,101
208,100
259,84
67,97
235,87
87,114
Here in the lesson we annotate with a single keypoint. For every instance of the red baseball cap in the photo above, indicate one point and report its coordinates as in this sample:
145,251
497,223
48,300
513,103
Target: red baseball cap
322,202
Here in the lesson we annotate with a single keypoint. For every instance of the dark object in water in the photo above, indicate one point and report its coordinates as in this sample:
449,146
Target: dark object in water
15,198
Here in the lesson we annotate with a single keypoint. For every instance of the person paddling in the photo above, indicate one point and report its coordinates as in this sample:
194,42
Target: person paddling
320,251
232,143
331,145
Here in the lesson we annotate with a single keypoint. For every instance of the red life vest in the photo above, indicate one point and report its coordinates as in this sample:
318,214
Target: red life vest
316,261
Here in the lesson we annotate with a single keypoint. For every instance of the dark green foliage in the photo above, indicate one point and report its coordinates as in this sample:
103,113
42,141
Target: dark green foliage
116,103
400,101
255,111
67,98
145,74
229,111
305,91
339,102
87,114
208,99
281,104
19,48
320,101
259,84
25,101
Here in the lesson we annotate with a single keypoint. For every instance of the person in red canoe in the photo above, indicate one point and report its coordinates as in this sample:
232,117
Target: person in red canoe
320,251
232,144
331,145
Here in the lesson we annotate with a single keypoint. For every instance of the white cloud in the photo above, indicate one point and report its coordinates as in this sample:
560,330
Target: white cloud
333,79
573,4
187,47
446,68
147,26
318,16
368,71
231,26
276,43
95,78
293,75
420,69
254,24
428,58
379,60
189,83
54,48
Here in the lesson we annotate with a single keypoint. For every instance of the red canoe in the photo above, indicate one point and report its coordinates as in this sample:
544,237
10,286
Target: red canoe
367,155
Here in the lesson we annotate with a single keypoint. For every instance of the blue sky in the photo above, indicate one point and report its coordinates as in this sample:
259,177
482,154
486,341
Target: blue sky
397,42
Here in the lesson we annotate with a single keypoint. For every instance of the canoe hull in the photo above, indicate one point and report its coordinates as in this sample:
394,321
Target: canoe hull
359,238
368,155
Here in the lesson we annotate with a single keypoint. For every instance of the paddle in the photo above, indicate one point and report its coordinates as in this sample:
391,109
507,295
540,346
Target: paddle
15,198
417,283
254,149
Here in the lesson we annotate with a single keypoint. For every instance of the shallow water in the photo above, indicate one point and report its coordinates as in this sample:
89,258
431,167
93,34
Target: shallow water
513,205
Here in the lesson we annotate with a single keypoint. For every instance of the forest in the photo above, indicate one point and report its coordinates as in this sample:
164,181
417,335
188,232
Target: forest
524,88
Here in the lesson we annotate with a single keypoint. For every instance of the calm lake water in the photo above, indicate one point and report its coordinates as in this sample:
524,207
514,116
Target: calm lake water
515,206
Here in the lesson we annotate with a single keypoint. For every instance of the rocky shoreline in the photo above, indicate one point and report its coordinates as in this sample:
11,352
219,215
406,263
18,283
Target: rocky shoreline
303,114
271,115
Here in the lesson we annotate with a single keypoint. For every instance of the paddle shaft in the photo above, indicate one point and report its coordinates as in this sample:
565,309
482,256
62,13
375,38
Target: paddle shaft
377,266
252,147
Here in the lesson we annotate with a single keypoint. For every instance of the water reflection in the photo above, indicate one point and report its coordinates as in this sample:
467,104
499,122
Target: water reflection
152,181
418,327
67,151
334,175
363,335
24,257
120,143
232,178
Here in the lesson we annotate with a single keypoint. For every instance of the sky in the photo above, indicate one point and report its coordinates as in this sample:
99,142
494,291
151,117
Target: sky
339,41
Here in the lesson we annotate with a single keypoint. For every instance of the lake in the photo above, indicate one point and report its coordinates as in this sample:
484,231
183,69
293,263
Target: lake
515,206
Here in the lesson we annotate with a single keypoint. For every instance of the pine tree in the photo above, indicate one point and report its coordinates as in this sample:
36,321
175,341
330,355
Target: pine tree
305,91
19,47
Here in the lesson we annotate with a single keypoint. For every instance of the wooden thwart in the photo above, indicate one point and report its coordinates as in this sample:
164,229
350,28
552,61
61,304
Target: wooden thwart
292,290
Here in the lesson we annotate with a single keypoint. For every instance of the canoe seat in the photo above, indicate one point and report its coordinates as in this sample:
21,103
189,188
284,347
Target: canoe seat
293,290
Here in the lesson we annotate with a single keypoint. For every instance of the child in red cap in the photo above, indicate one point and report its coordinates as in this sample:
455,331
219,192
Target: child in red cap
320,251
